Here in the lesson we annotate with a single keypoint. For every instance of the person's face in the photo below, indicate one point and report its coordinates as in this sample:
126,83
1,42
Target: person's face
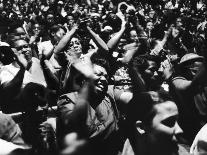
164,126
151,14
50,18
22,47
151,71
194,67
93,10
179,23
133,36
101,80
36,29
150,26
95,18
59,35
19,33
70,20
75,47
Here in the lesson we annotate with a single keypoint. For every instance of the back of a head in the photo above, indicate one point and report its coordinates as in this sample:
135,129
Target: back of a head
141,105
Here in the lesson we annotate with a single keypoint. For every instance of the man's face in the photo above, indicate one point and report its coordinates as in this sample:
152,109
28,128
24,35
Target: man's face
22,47
101,80
36,29
50,18
164,126
19,33
133,36
194,67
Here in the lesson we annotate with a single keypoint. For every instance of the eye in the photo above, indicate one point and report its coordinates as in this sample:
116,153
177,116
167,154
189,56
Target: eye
170,122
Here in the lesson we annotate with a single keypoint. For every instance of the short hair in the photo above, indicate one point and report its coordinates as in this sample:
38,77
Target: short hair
99,60
56,28
141,63
141,107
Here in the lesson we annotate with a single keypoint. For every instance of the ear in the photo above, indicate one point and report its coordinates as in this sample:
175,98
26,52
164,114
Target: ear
140,127
53,34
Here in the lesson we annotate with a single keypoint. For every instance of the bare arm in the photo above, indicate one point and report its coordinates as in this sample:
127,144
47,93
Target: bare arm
113,42
99,42
63,42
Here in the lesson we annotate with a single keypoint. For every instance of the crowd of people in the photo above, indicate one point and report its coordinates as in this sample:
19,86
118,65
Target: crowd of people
106,77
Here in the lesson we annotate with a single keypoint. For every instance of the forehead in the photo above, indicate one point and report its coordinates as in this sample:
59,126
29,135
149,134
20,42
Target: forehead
69,17
19,30
99,69
50,16
20,43
152,63
149,23
166,109
75,40
60,30
133,32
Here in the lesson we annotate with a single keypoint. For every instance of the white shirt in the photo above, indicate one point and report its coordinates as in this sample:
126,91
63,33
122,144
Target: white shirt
35,74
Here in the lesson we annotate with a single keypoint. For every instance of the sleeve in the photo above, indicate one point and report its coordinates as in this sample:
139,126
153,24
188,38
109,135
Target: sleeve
5,76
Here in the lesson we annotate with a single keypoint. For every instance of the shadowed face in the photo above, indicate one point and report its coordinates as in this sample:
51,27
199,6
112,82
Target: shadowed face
164,127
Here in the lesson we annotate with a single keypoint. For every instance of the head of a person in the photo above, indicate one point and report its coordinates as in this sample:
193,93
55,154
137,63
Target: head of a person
157,117
123,8
179,23
93,9
50,18
133,36
190,64
57,32
75,47
21,46
17,32
149,25
70,19
148,66
151,14
36,28
101,70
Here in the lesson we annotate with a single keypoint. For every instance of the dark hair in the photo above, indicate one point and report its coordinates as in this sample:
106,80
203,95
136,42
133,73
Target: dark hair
56,28
7,56
141,63
99,60
141,105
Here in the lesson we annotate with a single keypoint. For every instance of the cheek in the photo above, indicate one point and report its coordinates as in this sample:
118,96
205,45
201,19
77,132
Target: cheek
160,129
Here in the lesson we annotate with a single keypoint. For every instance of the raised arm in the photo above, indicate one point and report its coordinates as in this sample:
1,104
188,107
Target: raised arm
64,41
98,41
113,42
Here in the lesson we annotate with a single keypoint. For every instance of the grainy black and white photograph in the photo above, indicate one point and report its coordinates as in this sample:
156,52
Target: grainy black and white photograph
103,77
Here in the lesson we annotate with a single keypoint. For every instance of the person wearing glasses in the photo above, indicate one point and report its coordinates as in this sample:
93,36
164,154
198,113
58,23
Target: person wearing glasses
16,75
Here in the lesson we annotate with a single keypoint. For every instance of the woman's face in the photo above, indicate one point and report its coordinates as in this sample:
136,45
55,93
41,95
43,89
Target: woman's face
75,47
149,26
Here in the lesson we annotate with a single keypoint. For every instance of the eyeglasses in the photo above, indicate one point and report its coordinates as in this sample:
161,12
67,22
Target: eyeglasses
22,47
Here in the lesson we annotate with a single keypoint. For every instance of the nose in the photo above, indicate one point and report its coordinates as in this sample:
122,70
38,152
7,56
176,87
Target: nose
155,73
178,129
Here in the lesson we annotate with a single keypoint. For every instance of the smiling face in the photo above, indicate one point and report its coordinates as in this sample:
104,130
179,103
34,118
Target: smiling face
75,47
101,80
22,47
